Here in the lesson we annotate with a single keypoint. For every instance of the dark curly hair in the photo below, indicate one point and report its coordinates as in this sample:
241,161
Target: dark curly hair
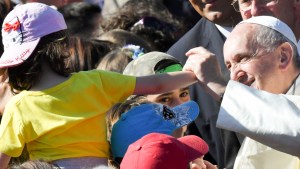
133,10
160,28
159,33
82,18
87,53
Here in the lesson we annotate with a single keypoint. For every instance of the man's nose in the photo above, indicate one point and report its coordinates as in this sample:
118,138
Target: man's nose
236,72
257,8
239,76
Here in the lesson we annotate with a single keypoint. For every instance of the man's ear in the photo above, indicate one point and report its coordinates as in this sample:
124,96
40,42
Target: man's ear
285,55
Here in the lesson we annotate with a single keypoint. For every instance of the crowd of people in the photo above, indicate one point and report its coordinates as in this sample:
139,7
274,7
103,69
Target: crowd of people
138,84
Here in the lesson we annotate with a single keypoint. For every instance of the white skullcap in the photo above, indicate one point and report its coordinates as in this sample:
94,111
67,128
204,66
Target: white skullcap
274,24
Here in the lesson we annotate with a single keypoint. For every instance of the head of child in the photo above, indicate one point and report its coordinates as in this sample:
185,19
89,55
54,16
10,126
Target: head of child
122,38
114,113
160,151
33,34
155,63
144,117
118,59
86,53
33,164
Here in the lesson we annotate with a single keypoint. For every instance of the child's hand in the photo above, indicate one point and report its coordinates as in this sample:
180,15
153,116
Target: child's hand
204,64
200,163
207,70
210,165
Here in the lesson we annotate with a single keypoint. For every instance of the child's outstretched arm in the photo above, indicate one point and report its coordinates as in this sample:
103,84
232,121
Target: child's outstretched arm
161,83
4,160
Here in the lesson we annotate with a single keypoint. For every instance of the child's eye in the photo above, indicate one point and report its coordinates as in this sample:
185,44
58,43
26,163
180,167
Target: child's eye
185,94
164,100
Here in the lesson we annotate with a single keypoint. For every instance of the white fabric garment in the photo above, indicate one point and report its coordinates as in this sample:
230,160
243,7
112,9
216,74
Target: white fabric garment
269,119
254,155
224,30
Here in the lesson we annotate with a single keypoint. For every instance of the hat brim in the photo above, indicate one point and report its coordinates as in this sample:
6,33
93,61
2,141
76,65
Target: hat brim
185,113
17,54
194,147
145,65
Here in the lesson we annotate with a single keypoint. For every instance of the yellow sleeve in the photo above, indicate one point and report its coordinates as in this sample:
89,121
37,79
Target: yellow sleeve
11,139
117,86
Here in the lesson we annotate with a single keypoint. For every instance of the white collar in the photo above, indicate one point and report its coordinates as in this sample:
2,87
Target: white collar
225,30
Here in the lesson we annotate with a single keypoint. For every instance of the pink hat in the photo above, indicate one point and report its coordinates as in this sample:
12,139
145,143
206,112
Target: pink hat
161,151
23,28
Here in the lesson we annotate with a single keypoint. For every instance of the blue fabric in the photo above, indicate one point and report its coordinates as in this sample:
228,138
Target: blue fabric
149,118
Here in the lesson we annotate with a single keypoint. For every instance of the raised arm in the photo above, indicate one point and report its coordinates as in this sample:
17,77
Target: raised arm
161,83
4,160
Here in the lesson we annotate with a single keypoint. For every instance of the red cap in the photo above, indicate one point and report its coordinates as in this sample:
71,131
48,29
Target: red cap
161,151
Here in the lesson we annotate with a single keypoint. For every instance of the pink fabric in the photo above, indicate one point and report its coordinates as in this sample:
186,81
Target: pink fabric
161,151
22,29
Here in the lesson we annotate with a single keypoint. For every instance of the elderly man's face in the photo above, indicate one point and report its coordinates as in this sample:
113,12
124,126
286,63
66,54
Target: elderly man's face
248,64
281,9
217,11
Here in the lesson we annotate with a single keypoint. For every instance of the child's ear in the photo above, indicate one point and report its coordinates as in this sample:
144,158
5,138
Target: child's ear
286,55
3,75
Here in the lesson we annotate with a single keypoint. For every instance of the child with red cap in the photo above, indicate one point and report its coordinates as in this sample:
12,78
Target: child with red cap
161,151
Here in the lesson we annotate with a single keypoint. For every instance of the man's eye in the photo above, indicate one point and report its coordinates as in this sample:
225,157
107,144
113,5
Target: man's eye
228,66
243,60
